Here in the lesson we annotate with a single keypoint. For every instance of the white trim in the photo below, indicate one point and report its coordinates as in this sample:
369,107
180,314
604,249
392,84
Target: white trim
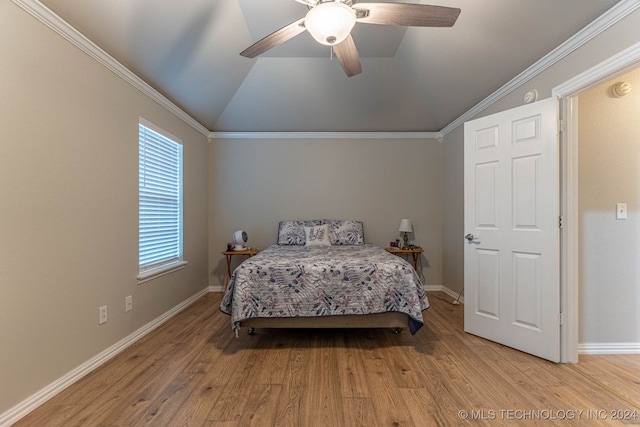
325,135
617,64
569,249
23,408
216,288
57,24
610,348
157,129
451,293
153,273
606,20
568,91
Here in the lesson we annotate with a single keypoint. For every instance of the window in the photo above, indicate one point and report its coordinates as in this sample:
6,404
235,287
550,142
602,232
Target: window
160,203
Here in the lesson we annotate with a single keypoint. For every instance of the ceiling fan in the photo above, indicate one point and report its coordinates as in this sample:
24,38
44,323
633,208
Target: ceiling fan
330,23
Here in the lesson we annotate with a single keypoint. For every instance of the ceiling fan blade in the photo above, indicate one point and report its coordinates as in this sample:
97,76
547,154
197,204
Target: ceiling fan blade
348,56
274,39
407,14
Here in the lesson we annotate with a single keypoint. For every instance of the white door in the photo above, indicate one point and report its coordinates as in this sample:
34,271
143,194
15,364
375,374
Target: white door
512,236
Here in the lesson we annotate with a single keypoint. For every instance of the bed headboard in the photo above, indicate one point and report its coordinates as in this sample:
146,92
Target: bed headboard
341,231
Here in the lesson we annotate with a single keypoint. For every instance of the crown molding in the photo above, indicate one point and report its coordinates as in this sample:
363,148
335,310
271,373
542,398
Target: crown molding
325,135
57,24
622,62
60,26
600,24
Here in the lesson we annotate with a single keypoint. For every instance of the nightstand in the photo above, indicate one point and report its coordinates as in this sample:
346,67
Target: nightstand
229,254
415,252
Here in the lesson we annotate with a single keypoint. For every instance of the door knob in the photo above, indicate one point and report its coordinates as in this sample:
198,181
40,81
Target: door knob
470,237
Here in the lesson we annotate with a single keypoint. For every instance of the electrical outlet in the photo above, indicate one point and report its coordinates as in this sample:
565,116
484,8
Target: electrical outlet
128,303
102,315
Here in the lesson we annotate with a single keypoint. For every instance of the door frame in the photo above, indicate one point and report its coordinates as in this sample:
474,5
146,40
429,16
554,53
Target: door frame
567,93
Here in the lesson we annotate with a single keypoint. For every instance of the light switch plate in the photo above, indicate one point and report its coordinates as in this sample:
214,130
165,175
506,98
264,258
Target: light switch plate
621,211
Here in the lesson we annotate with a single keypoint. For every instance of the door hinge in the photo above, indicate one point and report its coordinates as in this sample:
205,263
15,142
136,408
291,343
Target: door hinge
562,319
562,125
560,222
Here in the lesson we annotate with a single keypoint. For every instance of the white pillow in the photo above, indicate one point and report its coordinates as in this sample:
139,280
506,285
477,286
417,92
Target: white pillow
317,236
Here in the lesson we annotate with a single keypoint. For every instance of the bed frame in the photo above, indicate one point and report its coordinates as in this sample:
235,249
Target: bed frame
394,320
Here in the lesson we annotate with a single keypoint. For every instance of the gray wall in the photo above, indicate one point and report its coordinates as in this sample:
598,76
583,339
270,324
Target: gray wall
609,173
608,43
68,223
69,214
255,183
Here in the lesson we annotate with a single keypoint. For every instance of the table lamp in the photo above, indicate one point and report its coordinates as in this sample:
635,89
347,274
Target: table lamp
405,227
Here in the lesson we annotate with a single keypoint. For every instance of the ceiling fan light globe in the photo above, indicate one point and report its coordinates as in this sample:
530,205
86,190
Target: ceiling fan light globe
330,23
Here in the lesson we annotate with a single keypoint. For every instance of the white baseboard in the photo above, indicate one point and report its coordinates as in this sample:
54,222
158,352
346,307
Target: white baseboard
583,348
441,288
25,407
609,348
31,403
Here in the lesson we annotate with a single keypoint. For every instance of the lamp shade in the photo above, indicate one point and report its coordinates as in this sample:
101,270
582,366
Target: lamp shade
330,23
405,226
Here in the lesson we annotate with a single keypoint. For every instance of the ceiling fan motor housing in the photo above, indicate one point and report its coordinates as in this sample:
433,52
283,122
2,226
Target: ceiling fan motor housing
330,22
312,3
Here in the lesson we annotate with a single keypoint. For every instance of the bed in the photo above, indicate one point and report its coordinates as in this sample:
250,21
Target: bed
321,274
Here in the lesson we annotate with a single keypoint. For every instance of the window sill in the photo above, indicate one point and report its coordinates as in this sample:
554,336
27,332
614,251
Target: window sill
161,271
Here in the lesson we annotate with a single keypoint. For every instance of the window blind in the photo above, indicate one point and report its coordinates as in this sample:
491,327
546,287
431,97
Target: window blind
160,205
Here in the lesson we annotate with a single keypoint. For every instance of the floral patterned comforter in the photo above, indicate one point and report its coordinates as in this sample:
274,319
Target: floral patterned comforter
291,281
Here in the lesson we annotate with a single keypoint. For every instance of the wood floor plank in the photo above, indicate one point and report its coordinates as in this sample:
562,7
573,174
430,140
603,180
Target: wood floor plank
271,360
222,424
262,403
323,406
403,369
351,370
289,412
162,378
613,373
105,403
359,412
423,407
164,408
389,407
231,402
197,408
193,371
51,415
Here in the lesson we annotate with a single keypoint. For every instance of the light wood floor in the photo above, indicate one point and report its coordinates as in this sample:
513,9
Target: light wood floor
194,371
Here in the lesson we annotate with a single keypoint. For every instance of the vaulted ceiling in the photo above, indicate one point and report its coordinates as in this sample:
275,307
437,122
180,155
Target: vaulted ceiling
413,79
